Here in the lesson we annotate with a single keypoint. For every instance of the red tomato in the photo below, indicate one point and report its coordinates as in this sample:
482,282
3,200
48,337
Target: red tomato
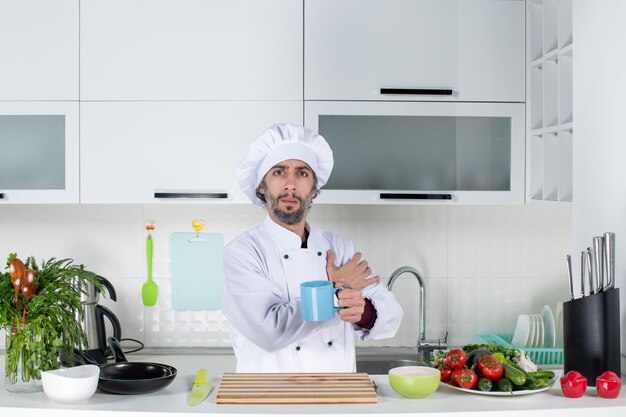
490,368
446,373
456,359
573,384
608,385
466,378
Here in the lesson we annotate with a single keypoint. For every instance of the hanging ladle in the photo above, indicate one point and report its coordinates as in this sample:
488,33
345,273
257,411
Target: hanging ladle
16,272
29,288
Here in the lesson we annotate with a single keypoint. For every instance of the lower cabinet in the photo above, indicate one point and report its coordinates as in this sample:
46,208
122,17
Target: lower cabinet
161,152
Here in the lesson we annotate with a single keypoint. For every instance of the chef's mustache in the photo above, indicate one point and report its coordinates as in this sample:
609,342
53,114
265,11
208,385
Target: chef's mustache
290,195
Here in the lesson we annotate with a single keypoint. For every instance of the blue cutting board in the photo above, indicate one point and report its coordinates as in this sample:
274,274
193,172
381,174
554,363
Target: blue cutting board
197,268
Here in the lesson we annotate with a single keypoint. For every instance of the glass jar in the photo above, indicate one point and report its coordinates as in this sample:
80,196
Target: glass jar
21,368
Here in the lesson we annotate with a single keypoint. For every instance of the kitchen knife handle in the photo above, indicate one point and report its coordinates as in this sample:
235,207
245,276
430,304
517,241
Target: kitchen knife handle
418,91
609,260
213,195
568,260
598,258
1,196
414,196
582,275
590,271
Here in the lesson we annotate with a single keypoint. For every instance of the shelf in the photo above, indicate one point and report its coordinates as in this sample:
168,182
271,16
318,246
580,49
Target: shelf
536,92
550,25
565,166
536,30
550,93
565,23
550,112
536,167
565,89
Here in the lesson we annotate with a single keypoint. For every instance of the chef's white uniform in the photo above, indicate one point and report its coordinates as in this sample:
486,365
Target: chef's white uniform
264,268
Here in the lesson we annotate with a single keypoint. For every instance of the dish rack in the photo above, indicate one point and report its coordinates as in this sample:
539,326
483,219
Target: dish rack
539,356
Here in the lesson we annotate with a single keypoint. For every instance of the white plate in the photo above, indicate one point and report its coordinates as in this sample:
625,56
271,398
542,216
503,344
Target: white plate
549,327
540,330
559,324
522,331
531,331
504,394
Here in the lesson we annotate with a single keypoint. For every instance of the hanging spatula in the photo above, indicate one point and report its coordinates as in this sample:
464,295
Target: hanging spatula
149,290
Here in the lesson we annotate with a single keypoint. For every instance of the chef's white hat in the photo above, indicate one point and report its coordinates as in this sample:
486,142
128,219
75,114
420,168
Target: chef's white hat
279,143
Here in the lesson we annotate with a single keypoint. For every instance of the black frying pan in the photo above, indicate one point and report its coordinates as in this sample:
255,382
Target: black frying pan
123,377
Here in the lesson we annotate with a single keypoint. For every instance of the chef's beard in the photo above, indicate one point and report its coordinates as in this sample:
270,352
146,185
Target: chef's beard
289,217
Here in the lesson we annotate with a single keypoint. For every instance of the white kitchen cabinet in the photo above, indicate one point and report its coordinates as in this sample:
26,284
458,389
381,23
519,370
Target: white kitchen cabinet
39,49
160,152
550,118
191,50
40,156
473,48
425,153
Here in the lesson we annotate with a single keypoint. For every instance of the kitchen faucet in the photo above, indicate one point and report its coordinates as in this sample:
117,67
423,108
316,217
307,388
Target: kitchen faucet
425,347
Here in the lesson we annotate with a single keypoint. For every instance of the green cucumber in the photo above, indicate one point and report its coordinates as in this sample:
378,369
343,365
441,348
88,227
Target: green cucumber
484,384
513,374
534,383
504,385
542,374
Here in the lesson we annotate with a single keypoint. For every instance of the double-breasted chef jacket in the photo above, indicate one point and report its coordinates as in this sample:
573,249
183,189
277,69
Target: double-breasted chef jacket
263,271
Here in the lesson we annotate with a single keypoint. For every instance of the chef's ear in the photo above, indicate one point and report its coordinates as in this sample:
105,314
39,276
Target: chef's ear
260,194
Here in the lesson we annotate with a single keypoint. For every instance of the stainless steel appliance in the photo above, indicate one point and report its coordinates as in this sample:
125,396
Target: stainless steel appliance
93,322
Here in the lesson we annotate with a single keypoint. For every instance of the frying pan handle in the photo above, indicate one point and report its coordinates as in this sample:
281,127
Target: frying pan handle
116,348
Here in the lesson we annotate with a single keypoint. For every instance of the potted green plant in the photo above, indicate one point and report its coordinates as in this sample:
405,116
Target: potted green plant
40,310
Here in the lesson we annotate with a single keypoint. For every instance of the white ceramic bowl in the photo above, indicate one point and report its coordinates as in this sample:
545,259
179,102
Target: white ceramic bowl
70,385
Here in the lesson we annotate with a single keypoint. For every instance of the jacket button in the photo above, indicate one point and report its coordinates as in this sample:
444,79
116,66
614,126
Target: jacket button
298,348
286,256
319,253
330,344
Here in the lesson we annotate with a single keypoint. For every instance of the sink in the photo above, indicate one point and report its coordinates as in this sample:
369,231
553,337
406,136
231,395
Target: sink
381,364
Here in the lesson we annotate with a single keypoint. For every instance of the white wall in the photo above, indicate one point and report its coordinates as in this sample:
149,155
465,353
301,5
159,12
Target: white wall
483,265
600,135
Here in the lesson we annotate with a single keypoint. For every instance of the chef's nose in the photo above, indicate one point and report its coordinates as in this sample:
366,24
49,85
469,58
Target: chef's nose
290,182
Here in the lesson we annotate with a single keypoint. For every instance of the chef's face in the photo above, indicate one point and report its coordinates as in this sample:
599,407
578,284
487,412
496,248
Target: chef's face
289,189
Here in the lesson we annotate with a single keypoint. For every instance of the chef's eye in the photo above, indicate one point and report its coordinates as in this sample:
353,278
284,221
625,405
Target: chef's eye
278,172
304,173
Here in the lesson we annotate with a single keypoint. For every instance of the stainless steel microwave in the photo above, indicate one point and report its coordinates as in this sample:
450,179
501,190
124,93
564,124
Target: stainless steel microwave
422,152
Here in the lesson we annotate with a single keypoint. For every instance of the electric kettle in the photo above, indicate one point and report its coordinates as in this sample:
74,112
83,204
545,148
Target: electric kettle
94,325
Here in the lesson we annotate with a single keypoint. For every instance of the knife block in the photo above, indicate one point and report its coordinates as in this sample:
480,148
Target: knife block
591,335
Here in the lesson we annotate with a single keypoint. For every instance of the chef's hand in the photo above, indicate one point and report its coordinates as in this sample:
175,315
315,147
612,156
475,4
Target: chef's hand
353,305
351,275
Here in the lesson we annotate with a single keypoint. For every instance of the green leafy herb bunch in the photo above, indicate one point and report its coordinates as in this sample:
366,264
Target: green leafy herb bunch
40,310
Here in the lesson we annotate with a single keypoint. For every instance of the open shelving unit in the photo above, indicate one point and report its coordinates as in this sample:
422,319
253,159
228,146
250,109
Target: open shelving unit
549,117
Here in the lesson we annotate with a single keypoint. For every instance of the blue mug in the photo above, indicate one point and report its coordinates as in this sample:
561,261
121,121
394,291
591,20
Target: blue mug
318,300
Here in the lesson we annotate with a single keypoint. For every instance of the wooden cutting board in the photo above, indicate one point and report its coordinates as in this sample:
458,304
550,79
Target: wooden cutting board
296,388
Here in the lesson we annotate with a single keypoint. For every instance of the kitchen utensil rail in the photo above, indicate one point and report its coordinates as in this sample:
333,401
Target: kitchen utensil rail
540,356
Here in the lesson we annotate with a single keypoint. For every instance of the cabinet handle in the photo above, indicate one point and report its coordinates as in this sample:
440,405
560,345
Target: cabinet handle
417,91
190,195
413,196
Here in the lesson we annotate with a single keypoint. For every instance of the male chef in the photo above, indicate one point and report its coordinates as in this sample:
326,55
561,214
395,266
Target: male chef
283,171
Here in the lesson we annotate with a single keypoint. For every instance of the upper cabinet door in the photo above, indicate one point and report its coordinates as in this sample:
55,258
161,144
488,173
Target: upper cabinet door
39,143
39,50
161,152
191,50
464,50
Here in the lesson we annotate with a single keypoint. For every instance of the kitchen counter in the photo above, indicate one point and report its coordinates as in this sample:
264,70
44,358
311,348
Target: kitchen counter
172,400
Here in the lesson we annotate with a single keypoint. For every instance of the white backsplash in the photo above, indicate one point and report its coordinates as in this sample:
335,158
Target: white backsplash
482,265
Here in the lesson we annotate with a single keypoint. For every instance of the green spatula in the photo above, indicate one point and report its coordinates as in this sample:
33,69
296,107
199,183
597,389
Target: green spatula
149,290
